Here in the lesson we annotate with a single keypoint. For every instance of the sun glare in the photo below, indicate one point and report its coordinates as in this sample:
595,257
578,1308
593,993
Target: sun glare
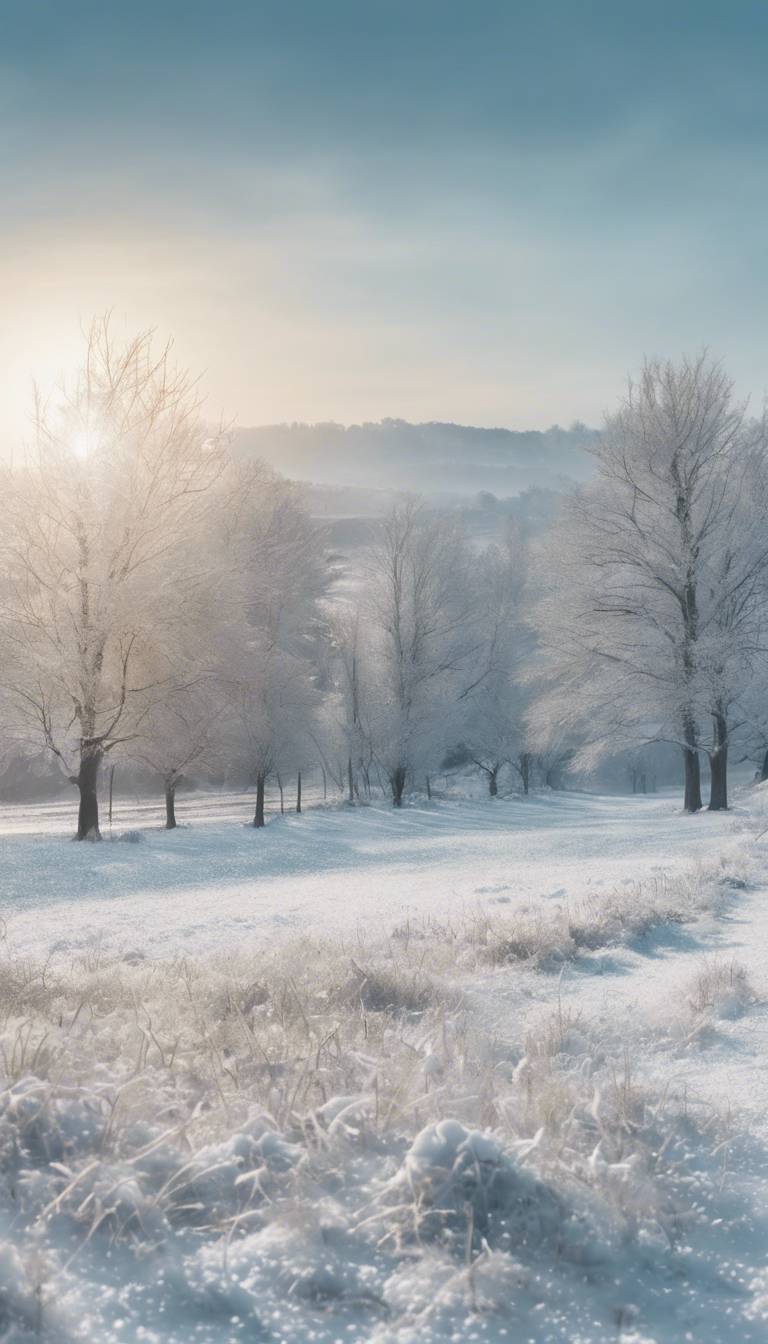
84,443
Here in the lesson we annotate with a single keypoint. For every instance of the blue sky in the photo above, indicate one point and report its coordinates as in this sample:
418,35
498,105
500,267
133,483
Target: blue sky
485,212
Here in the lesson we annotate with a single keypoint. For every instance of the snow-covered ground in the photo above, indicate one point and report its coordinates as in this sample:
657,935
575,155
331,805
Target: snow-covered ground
217,881
470,1071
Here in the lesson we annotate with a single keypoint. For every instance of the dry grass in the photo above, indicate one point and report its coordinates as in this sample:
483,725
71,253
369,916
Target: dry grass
545,940
94,1050
720,989
144,1102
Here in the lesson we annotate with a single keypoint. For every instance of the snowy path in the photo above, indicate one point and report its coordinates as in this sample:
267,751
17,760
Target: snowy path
330,871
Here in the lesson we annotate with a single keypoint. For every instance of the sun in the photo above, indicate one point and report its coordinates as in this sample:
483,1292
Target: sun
84,443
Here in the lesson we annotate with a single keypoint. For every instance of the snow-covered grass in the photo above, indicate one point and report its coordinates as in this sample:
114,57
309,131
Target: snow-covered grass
720,989
411,1132
545,939
297,1138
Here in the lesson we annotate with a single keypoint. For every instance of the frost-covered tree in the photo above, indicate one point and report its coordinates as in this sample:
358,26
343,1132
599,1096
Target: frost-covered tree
96,552
495,729
419,629
655,577
268,717
733,645
179,731
268,645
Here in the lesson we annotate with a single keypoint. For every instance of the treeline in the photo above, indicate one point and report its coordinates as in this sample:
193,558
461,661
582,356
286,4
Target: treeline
165,602
426,457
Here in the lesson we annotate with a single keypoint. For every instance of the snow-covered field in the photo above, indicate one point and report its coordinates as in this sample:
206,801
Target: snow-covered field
331,871
470,1071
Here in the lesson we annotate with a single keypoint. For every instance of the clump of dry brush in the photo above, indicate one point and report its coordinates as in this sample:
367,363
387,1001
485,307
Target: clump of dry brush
545,938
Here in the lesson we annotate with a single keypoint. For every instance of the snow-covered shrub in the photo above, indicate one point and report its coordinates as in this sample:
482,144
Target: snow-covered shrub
128,838
388,989
462,1184
559,1032
633,909
720,989
544,942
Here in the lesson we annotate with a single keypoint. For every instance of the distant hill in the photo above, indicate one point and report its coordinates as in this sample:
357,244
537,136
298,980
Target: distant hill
431,459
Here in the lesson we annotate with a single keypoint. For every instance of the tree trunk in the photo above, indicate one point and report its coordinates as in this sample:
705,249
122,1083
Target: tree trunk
429,788
764,770
87,781
692,794
282,799
525,770
643,782
258,816
690,613
398,785
350,780
493,781
718,766
111,792
325,784
298,792
170,804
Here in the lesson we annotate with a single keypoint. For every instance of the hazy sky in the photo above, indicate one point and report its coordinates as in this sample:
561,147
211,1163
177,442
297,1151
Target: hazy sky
485,211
